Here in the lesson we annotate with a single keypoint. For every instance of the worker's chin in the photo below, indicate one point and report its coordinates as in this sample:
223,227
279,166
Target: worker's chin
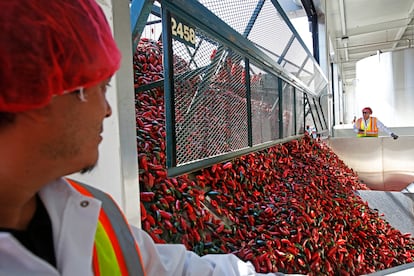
87,169
90,164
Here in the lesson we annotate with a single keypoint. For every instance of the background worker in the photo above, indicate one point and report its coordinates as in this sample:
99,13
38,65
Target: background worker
57,59
368,126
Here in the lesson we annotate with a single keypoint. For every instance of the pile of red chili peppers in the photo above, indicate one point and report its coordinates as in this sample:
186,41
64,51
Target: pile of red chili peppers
290,208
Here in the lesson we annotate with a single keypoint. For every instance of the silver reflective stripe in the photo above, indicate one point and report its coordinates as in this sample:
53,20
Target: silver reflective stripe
121,228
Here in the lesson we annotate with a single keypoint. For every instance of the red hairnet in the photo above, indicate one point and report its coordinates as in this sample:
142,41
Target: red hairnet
367,109
51,47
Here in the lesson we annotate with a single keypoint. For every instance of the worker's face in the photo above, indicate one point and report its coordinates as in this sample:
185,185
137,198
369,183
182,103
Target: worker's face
366,114
77,127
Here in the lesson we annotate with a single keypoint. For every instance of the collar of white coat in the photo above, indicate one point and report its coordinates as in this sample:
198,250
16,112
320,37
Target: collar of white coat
56,194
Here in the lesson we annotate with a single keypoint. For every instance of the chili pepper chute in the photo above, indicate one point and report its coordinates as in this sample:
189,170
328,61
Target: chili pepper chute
290,208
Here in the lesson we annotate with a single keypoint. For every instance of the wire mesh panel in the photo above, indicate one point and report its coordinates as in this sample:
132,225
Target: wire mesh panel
288,111
270,30
224,71
298,56
314,109
210,99
300,112
263,22
265,107
235,13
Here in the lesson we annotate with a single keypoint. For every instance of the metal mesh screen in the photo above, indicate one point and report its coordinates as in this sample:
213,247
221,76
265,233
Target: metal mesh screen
210,100
297,55
288,112
265,105
270,32
209,91
300,112
313,103
234,13
306,74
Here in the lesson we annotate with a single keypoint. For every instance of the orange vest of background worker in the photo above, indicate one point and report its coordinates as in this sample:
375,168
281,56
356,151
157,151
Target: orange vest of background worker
368,126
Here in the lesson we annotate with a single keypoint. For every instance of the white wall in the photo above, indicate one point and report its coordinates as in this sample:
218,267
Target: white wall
385,83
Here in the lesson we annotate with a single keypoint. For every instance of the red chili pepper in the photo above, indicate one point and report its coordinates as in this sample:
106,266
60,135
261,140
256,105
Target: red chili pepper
157,231
301,262
331,252
169,198
195,234
143,162
177,205
147,196
191,215
150,182
143,212
308,254
168,224
220,228
151,220
165,215
228,165
340,242
213,54
146,225
269,264
183,224
161,174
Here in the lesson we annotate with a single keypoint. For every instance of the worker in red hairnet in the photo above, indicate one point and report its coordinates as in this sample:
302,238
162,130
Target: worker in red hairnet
368,126
57,59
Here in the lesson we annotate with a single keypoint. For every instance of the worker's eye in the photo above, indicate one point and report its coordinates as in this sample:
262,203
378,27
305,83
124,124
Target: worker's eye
105,86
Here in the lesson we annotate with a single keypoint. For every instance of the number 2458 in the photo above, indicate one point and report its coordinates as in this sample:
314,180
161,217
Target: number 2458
183,31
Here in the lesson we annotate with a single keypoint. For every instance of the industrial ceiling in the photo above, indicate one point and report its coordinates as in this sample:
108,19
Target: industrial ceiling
357,29
361,28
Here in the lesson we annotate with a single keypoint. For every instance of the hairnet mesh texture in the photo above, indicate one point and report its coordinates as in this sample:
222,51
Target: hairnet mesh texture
51,47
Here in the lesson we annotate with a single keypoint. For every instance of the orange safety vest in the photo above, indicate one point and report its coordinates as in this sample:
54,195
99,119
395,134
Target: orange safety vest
370,131
115,251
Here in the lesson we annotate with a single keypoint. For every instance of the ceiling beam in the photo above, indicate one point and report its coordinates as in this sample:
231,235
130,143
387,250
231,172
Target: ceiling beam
373,44
344,37
402,30
378,27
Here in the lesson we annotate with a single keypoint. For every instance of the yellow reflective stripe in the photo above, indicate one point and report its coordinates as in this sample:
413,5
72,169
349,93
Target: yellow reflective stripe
108,264
361,125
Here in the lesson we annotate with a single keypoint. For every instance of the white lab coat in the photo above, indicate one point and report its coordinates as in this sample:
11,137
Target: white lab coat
74,226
